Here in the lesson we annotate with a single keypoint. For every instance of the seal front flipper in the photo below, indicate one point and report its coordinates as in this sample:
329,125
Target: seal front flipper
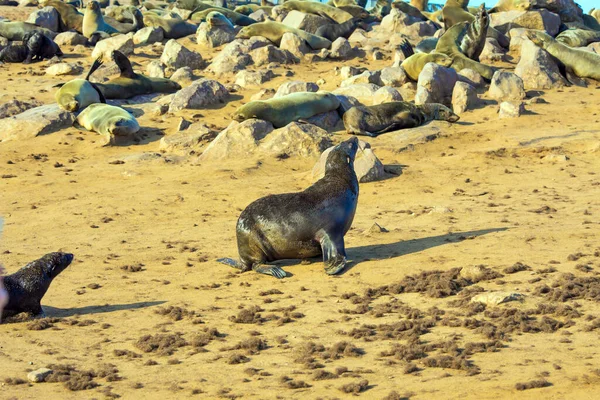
406,48
334,253
574,79
272,270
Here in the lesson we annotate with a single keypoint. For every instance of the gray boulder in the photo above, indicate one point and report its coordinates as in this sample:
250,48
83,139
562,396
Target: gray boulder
511,109
294,44
201,93
386,94
464,97
296,86
123,43
435,84
34,122
393,76
537,69
184,76
340,49
307,22
506,86
176,56
70,39
253,78
214,36
271,54
363,92
148,35
367,166
365,77
542,20
46,17
155,69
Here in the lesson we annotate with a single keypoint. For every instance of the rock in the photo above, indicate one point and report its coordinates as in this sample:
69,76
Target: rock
214,36
271,54
506,86
542,20
408,90
253,78
292,43
393,76
260,16
347,102
511,109
359,36
184,76
176,56
347,71
471,77
155,69
517,36
378,55
39,375
34,122
375,229
492,52
367,166
233,58
435,84
327,120
475,273
263,94
64,69
296,86
148,35
307,22
464,97
201,93
399,57
250,137
185,142
15,107
47,18
537,69
556,158
495,298
363,92
105,71
340,48
414,28
365,77
279,13
386,94
123,43
70,39
28,3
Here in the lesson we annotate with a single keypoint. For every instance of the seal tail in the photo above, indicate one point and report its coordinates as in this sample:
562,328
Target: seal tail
406,48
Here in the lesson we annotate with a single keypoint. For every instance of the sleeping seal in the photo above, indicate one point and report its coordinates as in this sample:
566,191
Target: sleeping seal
393,116
280,111
109,121
27,286
274,31
302,225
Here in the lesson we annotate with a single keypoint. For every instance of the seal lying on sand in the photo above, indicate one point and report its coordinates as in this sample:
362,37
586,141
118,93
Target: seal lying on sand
393,116
274,32
27,286
280,111
17,30
583,64
77,94
129,84
108,120
302,225
35,47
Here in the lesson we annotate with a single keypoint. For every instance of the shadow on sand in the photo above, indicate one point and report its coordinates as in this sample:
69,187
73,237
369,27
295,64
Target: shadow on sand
70,312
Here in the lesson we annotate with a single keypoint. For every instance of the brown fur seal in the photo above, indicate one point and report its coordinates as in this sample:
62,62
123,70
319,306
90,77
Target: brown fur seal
236,18
387,117
334,31
323,10
93,21
302,225
274,31
17,30
280,111
27,286
77,94
109,121
473,42
578,37
173,28
413,63
449,44
583,64
453,13
129,84
420,5
35,47
69,19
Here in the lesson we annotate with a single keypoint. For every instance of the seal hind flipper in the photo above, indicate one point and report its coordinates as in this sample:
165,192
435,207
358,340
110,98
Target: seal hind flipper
334,253
406,48
272,270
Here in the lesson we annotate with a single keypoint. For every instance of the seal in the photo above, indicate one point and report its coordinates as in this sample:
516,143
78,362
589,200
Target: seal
420,5
381,9
302,225
473,41
16,30
409,9
236,18
393,116
173,28
455,11
274,31
69,19
108,120
94,22
344,3
357,12
77,94
449,44
129,84
426,45
215,18
595,14
333,31
414,63
35,47
578,37
280,111
583,64
323,10
27,286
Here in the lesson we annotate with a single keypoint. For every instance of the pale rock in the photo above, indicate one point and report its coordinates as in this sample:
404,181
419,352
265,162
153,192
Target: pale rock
201,93
46,17
492,52
464,97
122,43
233,57
367,166
363,92
214,36
393,76
148,35
386,94
414,28
359,36
294,44
542,20
184,76
296,86
365,77
349,71
176,56
327,120
307,22
263,94
64,69
537,69
495,298
340,48
260,16
511,109
186,142
15,107
39,375
271,54
471,77
34,122
253,78
517,37
70,39
435,84
506,86
155,69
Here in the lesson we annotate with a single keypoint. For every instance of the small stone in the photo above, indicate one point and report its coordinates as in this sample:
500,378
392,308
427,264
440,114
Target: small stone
511,109
201,93
471,77
464,97
148,35
495,298
506,86
296,86
375,229
556,158
253,78
70,39
393,76
263,94
386,94
340,48
64,69
39,375
184,76
294,44
155,69
474,273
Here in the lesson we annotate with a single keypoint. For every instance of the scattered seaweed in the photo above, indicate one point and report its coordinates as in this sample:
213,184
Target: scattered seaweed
537,383
162,344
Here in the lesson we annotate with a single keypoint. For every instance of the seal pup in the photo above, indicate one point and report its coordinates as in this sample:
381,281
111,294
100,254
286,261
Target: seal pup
302,225
274,31
129,84
35,47
393,116
583,64
27,286
334,31
280,111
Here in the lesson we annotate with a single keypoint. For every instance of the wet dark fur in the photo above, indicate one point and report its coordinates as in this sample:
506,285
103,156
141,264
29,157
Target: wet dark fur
35,46
27,286
334,31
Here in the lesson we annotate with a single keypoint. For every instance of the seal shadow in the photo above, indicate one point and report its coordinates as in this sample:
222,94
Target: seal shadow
70,312
404,247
